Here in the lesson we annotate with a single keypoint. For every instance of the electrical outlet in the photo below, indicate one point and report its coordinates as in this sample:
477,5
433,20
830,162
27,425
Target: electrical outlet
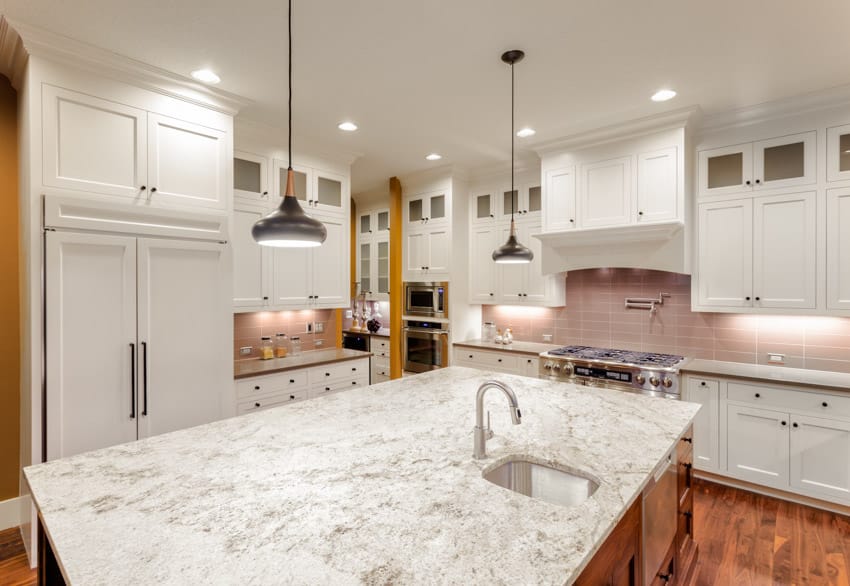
309,328
349,314
320,327
245,350
547,337
318,343
775,358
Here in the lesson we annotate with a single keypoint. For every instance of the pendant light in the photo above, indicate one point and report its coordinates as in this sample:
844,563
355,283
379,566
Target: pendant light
288,225
512,252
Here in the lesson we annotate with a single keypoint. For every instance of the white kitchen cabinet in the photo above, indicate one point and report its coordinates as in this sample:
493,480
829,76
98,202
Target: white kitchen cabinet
605,193
330,193
838,248
373,254
526,200
483,207
292,286
758,253
784,251
506,361
784,161
304,183
375,222
706,438
138,338
725,254
757,445
381,354
251,262
427,253
426,209
658,185
820,456
522,283
838,153
559,199
483,240
187,164
251,177
93,145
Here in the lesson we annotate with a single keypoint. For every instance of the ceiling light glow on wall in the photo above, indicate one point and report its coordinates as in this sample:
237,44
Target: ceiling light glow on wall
206,76
663,95
434,157
347,126
526,132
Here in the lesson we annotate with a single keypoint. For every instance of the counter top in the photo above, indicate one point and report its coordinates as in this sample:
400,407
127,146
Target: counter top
382,332
257,367
374,485
534,348
821,379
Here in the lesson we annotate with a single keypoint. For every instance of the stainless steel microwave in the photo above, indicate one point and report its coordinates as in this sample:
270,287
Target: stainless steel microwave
426,299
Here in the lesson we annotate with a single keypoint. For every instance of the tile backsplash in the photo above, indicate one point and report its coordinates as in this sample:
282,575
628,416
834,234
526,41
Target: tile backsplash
596,316
248,328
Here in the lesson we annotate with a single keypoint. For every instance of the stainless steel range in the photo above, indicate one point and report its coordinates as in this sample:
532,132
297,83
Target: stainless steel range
627,370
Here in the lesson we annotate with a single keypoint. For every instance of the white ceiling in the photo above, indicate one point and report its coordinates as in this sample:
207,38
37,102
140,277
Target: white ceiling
423,76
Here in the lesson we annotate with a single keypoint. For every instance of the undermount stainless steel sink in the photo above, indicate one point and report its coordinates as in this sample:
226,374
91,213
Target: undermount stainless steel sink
542,482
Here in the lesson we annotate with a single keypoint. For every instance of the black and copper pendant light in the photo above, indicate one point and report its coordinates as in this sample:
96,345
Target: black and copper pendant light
512,252
288,225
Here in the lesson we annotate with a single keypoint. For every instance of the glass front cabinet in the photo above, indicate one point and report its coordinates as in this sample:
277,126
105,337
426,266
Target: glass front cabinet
373,254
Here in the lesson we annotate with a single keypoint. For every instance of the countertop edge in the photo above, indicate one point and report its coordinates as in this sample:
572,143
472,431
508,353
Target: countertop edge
509,349
716,370
319,362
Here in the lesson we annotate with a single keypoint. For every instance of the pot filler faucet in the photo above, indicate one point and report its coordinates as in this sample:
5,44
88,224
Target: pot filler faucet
482,434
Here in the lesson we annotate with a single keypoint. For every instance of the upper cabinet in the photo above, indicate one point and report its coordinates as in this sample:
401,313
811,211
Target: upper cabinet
657,185
320,190
605,193
373,254
838,153
429,208
426,242
526,202
107,148
251,176
559,199
785,161
838,248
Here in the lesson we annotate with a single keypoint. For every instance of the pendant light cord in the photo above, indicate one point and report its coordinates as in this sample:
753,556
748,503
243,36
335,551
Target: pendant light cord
290,84
513,193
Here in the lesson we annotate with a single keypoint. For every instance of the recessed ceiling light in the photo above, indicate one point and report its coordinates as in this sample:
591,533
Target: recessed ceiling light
347,126
206,76
663,95
434,157
526,132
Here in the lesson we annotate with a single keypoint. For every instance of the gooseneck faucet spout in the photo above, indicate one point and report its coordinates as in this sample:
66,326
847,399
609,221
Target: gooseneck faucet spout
482,432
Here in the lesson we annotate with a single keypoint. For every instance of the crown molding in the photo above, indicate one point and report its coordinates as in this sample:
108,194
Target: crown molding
13,56
66,51
833,97
679,118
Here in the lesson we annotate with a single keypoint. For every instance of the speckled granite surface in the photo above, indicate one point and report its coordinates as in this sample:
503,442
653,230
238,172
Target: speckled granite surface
375,485
533,348
837,381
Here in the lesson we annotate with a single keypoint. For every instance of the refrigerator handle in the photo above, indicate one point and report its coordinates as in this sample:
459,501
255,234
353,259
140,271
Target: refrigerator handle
132,380
145,378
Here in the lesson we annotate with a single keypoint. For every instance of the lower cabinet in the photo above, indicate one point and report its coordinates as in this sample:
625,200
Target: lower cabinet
506,361
820,456
380,359
618,561
272,390
707,422
757,445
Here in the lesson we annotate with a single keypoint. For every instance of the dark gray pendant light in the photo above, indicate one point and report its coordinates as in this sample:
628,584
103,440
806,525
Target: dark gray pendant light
288,225
512,252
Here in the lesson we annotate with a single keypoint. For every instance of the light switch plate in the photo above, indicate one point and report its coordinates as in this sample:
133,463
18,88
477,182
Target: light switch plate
245,350
320,327
775,358
309,327
547,337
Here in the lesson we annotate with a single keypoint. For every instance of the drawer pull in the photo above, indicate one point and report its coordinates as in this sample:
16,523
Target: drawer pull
825,404
689,440
784,423
354,382
328,388
470,355
794,425
702,383
354,369
758,395
327,374
257,387
500,359
292,381
291,397
256,405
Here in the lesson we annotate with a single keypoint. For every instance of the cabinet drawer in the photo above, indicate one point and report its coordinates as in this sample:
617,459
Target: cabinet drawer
293,380
379,378
361,380
496,360
771,397
338,370
380,361
261,403
380,353
380,344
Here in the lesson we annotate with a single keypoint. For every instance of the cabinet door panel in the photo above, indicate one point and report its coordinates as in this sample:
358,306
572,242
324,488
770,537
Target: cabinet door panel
291,284
331,192
706,423
330,265
90,324
784,251
364,267
251,176
439,251
838,248
757,445
187,163
482,269
415,253
381,269
93,145
535,286
559,199
726,170
725,266
303,182
606,193
250,260
784,161
185,333
838,153
820,456
657,194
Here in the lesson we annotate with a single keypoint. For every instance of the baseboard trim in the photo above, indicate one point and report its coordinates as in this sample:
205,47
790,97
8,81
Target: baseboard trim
14,511
774,492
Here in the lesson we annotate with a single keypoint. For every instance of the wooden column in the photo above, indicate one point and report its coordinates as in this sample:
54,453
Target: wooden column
396,291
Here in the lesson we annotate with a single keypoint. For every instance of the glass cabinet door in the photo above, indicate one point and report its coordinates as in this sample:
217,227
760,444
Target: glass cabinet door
366,224
535,200
510,198
383,221
416,211
303,186
838,153
384,268
482,207
726,170
250,176
784,161
437,207
328,192
365,266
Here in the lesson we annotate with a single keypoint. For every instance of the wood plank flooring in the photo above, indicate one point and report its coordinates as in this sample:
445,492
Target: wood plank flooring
744,539
748,539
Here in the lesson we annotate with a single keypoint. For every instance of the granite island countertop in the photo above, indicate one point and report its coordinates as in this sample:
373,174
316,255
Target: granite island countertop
256,367
821,379
374,485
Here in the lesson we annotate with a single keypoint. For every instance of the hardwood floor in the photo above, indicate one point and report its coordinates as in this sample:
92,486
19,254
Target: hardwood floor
14,567
744,539
748,539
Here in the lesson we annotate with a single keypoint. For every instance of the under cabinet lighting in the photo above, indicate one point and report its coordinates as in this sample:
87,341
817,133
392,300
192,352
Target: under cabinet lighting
663,95
206,76
347,126
434,157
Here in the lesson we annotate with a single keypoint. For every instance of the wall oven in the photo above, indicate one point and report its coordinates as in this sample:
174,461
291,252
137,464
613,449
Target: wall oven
425,345
429,300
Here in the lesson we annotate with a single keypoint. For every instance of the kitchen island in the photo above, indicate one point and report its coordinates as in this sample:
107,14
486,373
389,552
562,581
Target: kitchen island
376,485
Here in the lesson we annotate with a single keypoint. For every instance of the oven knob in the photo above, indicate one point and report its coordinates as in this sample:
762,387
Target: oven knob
568,368
640,379
547,366
653,380
667,382
556,368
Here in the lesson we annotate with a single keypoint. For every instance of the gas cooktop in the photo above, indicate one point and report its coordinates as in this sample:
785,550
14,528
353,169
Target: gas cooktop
591,354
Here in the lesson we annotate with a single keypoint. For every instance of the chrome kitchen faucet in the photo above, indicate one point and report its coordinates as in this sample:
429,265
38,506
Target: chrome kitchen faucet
482,433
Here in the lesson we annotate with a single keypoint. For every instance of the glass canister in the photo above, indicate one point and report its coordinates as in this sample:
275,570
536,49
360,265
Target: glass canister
266,348
281,346
295,345
488,332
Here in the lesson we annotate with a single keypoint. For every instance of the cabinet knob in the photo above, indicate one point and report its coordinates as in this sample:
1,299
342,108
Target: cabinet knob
143,187
794,424
257,388
354,369
491,295
354,382
702,384
327,388
265,297
825,404
327,374
748,182
470,355
491,215
153,189
758,298
640,213
291,397
747,297
758,395
292,381
500,359
758,181
572,221
256,404
784,423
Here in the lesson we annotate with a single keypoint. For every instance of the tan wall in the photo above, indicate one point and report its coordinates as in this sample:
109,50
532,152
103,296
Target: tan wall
9,306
